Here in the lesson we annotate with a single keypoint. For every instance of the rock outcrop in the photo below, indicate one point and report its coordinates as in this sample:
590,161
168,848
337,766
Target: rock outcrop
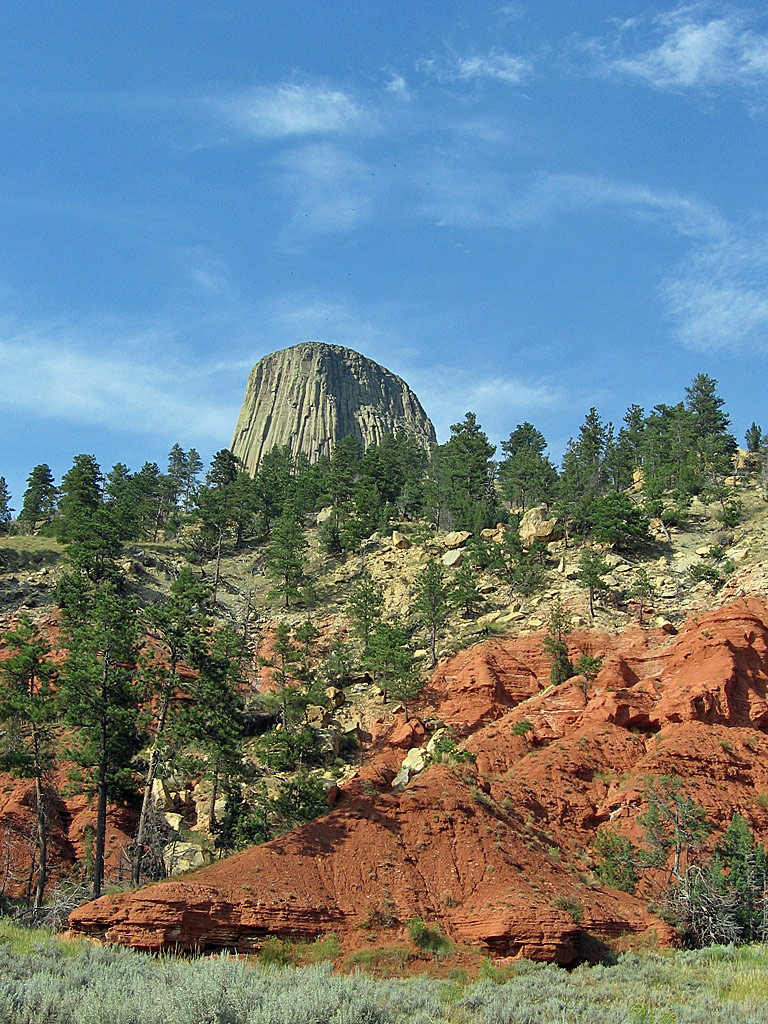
497,849
312,395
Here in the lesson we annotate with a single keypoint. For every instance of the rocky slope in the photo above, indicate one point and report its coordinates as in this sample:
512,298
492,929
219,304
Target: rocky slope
312,395
498,852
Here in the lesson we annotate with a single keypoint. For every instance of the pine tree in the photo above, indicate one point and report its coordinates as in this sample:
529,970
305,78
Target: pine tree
99,697
559,626
465,594
365,606
431,602
39,502
526,475
5,507
592,572
285,557
470,492
28,710
175,626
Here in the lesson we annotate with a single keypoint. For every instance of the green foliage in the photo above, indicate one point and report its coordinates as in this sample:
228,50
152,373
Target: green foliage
39,501
592,572
559,626
431,602
285,557
643,589
754,437
617,860
365,606
98,695
526,475
468,492
673,824
589,666
522,729
431,940
572,907
464,594
614,519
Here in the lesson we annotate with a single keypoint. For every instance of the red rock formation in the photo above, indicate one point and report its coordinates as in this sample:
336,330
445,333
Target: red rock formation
498,853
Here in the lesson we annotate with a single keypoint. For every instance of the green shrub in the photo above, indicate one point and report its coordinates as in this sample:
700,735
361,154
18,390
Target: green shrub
431,940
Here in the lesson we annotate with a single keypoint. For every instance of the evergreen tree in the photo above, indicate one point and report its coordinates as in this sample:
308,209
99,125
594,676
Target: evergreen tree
592,572
365,607
212,720
5,507
615,519
740,871
754,438
39,502
559,626
285,557
470,492
99,697
28,712
673,824
192,470
526,475
465,594
389,654
643,589
431,602
176,627
79,496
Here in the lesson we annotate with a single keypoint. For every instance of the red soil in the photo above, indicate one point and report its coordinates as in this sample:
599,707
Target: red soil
496,853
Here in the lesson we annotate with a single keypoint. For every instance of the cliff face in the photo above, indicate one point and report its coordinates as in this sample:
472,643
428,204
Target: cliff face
497,851
313,395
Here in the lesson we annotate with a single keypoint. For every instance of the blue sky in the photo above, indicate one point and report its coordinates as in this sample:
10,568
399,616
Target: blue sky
524,209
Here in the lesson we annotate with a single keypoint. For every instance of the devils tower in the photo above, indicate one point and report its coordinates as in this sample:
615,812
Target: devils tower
312,395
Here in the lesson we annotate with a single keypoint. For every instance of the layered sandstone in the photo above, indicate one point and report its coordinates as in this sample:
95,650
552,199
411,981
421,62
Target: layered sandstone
313,395
497,851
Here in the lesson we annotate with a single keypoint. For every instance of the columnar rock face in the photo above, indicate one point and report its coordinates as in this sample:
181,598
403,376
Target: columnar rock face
313,395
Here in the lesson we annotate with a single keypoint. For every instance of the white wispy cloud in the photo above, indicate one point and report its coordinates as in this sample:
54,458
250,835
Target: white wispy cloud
691,46
504,67
718,298
285,110
463,197
106,378
330,189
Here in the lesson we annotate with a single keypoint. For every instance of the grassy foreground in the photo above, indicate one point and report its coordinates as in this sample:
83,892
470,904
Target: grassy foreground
44,981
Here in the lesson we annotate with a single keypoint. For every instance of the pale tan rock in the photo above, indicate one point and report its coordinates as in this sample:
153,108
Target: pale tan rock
181,857
399,542
324,515
665,625
536,524
313,395
456,539
415,759
453,559
335,695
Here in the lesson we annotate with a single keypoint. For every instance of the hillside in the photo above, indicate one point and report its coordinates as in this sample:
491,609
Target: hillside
496,848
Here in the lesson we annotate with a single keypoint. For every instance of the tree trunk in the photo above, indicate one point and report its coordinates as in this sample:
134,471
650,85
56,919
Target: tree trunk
42,838
218,566
214,794
148,785
101,792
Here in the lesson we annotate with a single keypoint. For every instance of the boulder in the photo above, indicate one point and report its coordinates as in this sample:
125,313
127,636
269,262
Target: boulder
399,542
537,524
453,559
182,857
324,515
415,760
456,539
